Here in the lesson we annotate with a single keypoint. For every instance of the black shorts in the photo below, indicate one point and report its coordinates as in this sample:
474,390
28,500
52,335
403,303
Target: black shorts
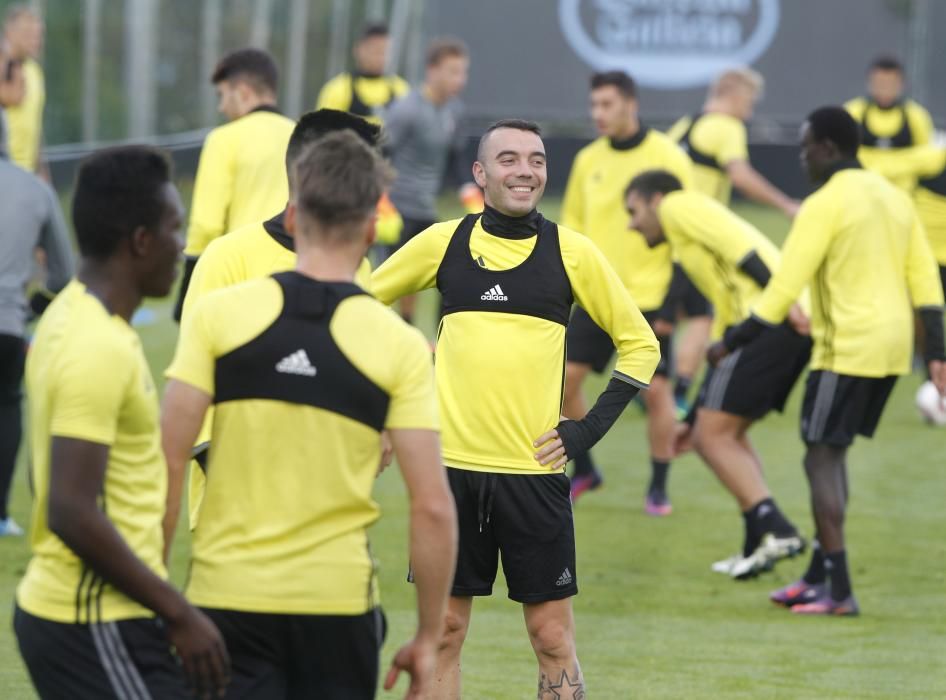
525,518
758,377
276,657
838,407
125,659
412,227
692,302
588,344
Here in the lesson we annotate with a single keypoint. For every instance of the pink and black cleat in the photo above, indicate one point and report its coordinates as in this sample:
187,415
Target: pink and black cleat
798,593
826,605
585,482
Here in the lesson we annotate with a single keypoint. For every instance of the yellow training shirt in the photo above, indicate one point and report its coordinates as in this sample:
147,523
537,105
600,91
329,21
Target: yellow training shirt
87,379
241,176
711,243
501,344
252,252
25,120
712,140
362,95
594,204
861,246
304,375
885,133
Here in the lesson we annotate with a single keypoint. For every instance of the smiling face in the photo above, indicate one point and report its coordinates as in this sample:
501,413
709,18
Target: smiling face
511,170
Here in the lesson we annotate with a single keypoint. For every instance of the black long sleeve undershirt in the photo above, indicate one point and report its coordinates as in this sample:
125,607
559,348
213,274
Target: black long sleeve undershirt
579,436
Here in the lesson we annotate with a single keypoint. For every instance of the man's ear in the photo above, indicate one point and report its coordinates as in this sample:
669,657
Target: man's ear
479,174
371,233
289,221
140,242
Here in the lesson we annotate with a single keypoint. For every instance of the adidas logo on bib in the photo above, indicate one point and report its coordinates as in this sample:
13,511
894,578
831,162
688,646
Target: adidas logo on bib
494,294
296,363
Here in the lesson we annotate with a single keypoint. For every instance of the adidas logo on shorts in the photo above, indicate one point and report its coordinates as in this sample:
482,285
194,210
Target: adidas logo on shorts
565,579
296,363
494,294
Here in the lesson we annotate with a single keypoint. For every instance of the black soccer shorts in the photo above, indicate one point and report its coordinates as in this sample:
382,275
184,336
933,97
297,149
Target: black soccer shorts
588,344
527,520
838,407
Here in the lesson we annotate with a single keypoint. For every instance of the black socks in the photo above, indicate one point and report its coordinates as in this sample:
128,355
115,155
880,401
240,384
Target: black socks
816,571
658,475
764,517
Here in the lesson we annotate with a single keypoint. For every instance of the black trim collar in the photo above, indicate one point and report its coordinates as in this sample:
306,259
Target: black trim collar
265,108
520,227
632,142
276,228
846,164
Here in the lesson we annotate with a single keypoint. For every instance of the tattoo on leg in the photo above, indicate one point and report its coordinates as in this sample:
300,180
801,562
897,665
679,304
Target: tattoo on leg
565,688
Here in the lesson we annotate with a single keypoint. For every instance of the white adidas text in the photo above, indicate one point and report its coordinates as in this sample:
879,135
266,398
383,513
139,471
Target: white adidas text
494,294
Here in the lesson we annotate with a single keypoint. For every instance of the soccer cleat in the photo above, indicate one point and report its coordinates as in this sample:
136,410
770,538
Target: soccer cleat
657,504
682,408
826,605
9,528
585,482
798,593
763,558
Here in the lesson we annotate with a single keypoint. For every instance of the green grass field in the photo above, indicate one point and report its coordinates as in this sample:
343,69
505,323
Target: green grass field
653,620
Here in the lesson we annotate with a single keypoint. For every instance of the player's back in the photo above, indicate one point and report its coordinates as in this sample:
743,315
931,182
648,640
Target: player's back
307,374
712,140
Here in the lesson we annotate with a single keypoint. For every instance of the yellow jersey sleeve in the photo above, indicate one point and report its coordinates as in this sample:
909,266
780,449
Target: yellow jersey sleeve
83,405
195,357
413,267
214,270
804,251
678,163
394,356
213,186
923,279
684,212
573,205
335,94
921,124
725,138
25,120
400,86
599,291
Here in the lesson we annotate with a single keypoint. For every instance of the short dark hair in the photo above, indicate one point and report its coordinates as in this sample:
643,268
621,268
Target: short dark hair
622,81
254,66
518,124
835,124
339,180
443,48
886,62
117,190
314,125
651,182
372,30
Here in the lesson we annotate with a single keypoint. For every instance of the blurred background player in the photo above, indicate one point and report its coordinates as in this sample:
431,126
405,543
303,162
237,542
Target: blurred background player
256,250
594,204
95,616
366,90
12,90
241,174
890,122
23,30
730,261
31,218
860,245
422,137
716,142
306,370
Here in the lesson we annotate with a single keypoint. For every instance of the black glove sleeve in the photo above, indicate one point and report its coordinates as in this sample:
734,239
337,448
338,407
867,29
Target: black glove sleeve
755,268
743,334
40,300
932,319
579,436
189,265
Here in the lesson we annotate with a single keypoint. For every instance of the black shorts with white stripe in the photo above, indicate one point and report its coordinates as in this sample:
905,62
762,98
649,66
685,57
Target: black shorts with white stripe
838,407
758,377
124,660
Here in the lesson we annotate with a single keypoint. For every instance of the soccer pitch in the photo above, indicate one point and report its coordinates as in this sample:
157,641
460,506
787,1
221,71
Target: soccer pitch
653,621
